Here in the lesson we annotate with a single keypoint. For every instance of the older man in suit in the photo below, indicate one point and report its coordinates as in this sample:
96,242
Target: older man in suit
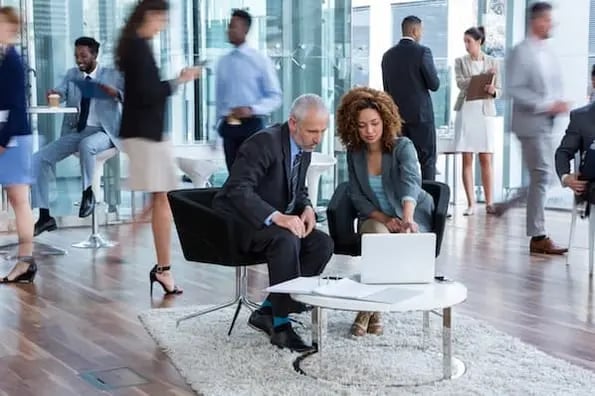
408,74
266,194
94,129
534,83
579,137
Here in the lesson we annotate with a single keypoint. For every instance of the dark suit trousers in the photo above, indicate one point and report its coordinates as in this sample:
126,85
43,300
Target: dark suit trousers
423,136
289,257
234,135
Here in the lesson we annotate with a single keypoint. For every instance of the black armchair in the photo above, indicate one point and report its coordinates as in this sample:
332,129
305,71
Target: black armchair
208,237
342,215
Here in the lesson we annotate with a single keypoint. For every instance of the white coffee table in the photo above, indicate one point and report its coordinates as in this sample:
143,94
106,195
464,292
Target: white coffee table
431,298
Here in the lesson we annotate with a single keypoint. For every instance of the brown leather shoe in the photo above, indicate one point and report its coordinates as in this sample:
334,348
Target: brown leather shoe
546,246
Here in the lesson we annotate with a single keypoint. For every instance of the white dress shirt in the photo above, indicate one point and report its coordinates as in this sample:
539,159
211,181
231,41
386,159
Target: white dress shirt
549,69
93,119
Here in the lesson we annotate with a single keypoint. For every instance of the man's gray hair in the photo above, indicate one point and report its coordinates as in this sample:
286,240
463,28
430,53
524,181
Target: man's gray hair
306,102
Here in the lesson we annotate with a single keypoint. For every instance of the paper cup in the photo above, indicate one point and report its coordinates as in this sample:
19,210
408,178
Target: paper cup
54,100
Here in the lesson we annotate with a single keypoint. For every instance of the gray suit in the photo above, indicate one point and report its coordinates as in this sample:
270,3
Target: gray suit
533,91
579,136
401,180
88,142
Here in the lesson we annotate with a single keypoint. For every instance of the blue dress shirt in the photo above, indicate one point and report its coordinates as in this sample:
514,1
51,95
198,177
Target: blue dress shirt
245,77
295,149
378,189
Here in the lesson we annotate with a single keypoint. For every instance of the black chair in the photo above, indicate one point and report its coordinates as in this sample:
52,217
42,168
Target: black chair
341,217
208,237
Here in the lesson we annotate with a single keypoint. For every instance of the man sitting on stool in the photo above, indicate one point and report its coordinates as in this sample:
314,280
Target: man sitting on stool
93,130
266,194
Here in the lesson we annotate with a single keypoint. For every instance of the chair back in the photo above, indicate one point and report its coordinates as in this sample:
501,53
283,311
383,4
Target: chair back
206,236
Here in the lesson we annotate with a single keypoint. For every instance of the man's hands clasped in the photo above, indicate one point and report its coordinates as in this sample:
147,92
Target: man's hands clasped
300,226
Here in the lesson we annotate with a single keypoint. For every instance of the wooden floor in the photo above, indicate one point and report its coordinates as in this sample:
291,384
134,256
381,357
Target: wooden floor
81,313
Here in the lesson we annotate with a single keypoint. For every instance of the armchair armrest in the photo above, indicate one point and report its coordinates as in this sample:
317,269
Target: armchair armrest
341,216
440,192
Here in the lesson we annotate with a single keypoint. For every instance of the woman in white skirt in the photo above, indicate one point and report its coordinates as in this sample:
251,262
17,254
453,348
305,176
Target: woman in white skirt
152,166
474,121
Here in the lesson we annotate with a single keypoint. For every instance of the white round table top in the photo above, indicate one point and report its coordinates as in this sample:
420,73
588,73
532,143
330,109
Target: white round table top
52,110
437,295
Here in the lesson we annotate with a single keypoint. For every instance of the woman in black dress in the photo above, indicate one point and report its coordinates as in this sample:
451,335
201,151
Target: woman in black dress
151,160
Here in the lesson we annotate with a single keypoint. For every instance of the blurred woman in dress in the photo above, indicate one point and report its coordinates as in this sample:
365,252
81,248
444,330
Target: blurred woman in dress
384,175
474,121
151,161
15,145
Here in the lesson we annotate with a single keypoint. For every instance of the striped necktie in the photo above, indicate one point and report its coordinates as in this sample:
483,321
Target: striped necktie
293,180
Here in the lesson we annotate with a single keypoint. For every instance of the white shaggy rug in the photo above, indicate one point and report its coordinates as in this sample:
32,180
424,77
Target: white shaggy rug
246,363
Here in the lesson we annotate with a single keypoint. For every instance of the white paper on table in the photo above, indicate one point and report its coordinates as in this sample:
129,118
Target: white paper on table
301,285
349,289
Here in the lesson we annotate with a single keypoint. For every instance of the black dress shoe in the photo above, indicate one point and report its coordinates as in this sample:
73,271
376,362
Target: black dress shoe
48,224
87,203
285,337
261,322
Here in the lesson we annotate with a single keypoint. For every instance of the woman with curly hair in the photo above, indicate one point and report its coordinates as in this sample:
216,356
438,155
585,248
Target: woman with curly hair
384,175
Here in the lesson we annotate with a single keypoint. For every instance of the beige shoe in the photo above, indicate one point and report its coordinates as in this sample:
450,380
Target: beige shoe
375,324
360,325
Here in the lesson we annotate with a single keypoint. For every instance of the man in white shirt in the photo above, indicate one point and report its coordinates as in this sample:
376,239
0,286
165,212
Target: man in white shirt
94,129
534,84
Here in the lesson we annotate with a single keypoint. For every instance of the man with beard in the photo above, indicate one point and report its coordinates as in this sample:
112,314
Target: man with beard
94,129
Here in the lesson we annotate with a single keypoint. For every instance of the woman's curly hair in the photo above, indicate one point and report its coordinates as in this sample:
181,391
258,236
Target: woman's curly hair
358,99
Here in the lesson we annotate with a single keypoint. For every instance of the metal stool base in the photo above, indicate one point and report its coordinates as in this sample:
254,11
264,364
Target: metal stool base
94,241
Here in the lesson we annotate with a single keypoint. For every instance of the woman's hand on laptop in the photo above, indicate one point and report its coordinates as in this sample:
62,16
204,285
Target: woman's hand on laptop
394,225
409,227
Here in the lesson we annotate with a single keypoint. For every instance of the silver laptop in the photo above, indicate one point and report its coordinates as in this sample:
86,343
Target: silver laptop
398,258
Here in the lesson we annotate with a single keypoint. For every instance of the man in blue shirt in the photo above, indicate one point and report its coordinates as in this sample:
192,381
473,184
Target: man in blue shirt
247,88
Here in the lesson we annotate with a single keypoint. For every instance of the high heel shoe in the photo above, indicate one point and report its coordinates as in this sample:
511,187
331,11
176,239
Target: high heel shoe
27,276
153,278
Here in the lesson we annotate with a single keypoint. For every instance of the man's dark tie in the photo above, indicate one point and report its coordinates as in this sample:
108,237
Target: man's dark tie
293,180
84,111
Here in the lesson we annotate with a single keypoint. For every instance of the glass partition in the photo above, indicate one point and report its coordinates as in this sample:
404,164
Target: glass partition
309,42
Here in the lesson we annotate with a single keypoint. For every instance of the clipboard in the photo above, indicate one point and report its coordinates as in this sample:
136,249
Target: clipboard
475,90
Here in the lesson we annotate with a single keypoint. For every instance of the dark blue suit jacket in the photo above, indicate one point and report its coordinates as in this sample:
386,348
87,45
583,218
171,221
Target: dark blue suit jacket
13,97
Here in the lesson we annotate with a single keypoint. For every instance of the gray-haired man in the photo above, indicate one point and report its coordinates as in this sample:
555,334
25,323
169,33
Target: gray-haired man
266,194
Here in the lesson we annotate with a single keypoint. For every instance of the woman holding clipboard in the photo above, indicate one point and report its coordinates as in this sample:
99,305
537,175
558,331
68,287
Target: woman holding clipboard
15,145
475,107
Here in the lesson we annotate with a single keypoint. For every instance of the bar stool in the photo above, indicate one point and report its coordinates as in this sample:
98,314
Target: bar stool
96,240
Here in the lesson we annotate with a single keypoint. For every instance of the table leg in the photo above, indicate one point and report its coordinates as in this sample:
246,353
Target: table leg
318,327
426,330
446,344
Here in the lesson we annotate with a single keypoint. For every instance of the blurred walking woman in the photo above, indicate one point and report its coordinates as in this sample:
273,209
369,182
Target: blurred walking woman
474,126
15,145
152,167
